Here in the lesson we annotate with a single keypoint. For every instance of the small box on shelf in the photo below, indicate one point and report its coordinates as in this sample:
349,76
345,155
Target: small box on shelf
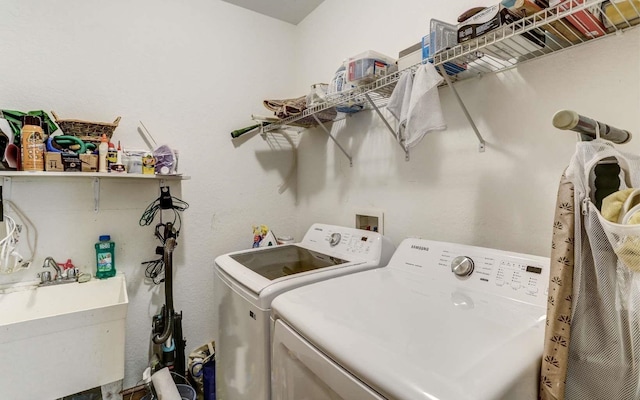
89,162
62,162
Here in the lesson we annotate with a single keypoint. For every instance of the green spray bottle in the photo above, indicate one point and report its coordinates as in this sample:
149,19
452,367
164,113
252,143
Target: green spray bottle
105,257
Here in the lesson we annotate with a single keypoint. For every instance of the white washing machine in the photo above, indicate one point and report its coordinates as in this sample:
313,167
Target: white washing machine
441,322
246,282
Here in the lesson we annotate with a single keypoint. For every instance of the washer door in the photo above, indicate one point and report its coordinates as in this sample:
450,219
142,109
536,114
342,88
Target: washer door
300,372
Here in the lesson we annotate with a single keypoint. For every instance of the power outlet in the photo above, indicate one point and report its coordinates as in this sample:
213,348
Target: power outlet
370,220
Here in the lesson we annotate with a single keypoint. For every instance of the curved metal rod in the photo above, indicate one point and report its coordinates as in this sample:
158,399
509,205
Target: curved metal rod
587,127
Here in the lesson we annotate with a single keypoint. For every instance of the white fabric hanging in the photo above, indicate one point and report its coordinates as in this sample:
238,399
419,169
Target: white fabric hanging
415,103
604,350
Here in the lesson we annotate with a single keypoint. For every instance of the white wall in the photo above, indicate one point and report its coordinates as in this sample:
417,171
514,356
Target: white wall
192,72
502,198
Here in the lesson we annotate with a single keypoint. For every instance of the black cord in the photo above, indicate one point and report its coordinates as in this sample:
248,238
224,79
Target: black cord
155,268
152,209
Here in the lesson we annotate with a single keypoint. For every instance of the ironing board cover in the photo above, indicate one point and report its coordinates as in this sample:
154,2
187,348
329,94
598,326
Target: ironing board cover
556,339
604,351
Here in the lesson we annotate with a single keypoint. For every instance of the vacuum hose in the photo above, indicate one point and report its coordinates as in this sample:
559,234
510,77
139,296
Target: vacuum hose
169,246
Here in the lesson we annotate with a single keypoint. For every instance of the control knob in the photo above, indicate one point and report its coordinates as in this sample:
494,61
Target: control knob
462,266
334,239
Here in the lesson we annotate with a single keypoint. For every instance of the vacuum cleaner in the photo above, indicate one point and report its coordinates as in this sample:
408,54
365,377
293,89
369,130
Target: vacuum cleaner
167,325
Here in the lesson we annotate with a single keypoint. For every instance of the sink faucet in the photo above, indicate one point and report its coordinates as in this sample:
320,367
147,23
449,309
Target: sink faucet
70,275
50,262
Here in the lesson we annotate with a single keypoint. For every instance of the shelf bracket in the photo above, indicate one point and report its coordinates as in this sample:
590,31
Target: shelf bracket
393,133
464,108
324,128
6,188
96,194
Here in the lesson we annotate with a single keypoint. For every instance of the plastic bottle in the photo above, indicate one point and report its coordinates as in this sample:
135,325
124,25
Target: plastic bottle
32,144
105,257
119,154
112,156
103,147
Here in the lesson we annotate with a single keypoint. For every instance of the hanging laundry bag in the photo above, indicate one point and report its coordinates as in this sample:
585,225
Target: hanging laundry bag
604,346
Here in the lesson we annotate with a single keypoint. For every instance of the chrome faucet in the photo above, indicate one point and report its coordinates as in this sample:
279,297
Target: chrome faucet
45,277
50,262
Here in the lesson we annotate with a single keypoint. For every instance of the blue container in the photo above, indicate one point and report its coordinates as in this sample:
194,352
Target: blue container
209,380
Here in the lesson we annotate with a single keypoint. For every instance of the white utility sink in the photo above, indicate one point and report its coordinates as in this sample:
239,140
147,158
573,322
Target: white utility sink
62,339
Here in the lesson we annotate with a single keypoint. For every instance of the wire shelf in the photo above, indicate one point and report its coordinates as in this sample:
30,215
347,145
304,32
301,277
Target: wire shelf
547,31
539,33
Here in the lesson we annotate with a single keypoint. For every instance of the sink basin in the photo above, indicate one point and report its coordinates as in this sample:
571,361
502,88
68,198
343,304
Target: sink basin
62,339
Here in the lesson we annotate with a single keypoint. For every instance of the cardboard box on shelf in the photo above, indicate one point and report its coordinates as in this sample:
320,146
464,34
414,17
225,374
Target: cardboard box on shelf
410,56
61,162
89,162
494,17
586,21
53,162
480,23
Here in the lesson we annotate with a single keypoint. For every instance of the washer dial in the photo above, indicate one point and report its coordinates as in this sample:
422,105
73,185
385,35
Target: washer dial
462,266
334,239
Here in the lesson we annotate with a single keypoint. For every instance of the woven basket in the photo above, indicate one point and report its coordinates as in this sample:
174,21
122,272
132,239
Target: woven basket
86,131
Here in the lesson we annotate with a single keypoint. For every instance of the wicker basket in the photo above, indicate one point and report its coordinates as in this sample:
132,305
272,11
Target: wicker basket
86,131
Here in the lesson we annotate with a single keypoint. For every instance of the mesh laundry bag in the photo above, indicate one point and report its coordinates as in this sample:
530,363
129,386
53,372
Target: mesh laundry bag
604,350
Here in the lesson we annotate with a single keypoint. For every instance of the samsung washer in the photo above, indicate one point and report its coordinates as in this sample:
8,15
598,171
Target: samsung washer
246,283
441,322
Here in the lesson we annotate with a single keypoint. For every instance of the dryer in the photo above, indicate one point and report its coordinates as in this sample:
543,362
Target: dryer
442,321
246,282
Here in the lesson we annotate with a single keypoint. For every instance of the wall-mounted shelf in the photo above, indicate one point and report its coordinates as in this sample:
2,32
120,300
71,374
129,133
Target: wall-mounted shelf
496,51
8,176
106,175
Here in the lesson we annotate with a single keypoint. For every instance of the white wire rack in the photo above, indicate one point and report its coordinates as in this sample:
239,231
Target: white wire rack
540,32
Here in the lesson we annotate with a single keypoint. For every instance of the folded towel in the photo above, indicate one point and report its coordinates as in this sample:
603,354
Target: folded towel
415,103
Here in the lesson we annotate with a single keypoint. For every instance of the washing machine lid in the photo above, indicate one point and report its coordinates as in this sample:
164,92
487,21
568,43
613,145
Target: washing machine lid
411,336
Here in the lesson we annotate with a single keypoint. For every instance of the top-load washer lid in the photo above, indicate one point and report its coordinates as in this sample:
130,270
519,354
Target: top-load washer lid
326,251
416,330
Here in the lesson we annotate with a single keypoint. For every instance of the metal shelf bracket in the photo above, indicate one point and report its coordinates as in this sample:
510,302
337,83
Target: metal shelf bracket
393,133
6,188
324,128
96,194
444,74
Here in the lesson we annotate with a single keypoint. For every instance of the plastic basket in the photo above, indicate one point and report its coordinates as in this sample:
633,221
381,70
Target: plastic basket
86,131
186,392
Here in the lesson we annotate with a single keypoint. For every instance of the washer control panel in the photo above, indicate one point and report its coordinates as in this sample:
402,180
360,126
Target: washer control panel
343,242
515,275
350,243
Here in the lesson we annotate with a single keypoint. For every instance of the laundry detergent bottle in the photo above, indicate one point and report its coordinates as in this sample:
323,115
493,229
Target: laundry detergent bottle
105,257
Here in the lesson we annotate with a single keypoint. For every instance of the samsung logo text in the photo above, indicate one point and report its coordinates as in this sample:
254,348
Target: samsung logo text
413,246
